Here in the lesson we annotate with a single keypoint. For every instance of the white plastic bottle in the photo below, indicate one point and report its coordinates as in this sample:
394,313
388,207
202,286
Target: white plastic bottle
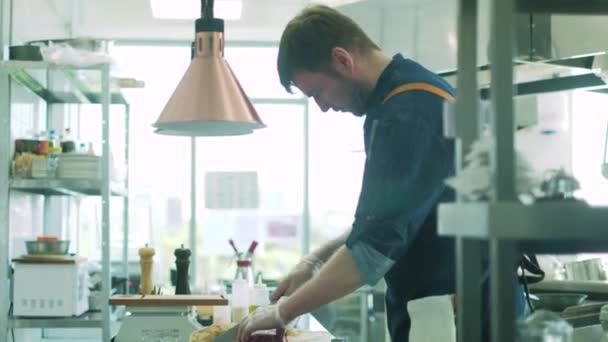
260,296
239,301
221,313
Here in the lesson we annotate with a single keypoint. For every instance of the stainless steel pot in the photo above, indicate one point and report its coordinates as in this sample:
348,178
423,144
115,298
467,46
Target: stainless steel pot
557,301
58,247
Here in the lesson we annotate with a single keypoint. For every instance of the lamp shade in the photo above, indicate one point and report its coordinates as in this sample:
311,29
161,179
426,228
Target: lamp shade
208,101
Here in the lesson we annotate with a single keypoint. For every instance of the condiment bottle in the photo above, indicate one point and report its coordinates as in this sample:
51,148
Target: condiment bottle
145,262
221,313
182,262
260,296
239,302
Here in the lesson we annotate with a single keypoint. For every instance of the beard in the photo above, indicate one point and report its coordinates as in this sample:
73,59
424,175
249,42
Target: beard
356,97
355,93
358,100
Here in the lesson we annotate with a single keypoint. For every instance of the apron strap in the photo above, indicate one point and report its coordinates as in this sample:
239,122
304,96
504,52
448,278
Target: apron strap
419,86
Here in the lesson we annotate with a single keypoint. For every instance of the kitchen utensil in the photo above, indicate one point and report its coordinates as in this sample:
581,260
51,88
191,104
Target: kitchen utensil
236,251
251,249
557,301
24,53
60,247
182,262
145,262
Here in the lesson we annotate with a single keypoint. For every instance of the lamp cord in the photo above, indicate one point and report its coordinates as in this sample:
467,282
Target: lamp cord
207,9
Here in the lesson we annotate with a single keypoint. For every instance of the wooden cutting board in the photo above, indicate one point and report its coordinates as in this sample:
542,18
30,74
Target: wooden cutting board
48,259
167,300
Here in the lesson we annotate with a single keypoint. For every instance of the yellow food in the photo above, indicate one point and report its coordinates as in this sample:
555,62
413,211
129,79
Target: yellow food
207,334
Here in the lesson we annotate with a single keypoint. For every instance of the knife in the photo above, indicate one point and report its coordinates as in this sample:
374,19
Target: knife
228,336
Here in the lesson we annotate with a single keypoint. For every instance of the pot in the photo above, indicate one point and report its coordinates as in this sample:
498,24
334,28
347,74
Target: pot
556,301
57,247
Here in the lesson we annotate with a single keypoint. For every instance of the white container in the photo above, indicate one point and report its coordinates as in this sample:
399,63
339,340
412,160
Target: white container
259,296
239,301
222,313
50,289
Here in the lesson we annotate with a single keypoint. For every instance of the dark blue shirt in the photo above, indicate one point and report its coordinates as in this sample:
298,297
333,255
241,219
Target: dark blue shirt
394,234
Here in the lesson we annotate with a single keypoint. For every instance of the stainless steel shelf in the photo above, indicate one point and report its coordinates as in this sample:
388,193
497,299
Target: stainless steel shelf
63,187
77,84
591,7
86,320
543,221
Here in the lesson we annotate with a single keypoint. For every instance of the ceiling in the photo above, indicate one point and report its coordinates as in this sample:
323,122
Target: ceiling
132,19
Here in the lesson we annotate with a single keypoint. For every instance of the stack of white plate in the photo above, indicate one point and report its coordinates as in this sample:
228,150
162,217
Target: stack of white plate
79,166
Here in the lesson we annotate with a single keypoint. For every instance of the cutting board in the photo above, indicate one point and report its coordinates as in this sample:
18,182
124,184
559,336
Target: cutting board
167,300
48,259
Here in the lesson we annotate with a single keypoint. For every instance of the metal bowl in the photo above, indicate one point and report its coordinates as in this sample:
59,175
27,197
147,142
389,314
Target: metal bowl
557,301
58,247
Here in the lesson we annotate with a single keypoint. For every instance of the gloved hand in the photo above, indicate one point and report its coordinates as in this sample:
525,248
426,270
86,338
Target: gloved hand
263,318
301,273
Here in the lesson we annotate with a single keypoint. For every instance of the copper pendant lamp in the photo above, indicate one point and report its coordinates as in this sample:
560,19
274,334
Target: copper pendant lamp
208,101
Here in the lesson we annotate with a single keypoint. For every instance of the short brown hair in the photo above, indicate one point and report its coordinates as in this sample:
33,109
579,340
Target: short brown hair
309,38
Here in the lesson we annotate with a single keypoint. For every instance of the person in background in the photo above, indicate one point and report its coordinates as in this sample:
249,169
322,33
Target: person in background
329,58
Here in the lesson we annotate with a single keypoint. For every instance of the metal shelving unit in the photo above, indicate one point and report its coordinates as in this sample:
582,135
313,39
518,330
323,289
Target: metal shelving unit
66,187
87,320
77,86
505,225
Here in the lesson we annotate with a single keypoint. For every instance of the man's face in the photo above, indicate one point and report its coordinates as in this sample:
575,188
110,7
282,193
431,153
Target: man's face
332,90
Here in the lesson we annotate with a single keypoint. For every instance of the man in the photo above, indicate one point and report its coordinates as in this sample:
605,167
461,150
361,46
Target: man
328,57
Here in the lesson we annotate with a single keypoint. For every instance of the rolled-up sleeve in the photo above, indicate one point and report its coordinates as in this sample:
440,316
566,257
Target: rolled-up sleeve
407,160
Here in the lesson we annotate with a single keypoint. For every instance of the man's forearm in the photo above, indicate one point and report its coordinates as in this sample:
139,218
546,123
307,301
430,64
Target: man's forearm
336,279
328,249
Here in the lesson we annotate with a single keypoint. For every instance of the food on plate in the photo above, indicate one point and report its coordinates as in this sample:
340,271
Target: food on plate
46,238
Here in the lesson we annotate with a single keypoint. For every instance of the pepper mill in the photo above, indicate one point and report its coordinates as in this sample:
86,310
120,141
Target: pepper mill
182,262
145,262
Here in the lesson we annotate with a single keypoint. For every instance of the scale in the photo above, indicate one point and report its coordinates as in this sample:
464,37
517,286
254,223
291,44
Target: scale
161,317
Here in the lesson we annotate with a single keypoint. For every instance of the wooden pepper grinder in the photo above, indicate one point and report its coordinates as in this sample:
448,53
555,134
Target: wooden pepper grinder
145,262
182,263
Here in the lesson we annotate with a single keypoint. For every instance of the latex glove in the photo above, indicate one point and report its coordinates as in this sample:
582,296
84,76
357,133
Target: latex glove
301,273
263,318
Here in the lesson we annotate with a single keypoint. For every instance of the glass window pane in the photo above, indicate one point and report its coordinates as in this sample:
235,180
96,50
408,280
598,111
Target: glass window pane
256,70
336,170
275,154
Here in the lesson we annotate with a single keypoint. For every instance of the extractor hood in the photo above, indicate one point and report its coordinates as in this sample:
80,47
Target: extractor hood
554,53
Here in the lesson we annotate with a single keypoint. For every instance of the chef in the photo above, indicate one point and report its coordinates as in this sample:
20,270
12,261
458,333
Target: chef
329,58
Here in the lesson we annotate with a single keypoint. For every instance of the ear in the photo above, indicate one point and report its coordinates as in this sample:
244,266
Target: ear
342,61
